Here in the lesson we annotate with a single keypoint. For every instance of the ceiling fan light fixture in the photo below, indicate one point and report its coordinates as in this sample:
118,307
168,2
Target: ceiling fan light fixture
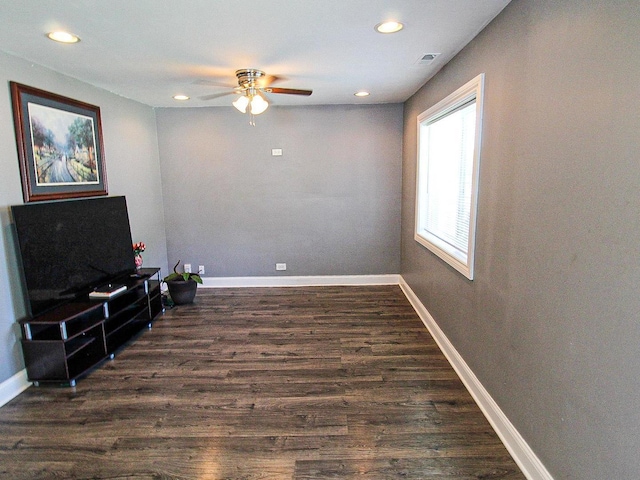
241,103
252,87
258,104
362,93
389,27
181,97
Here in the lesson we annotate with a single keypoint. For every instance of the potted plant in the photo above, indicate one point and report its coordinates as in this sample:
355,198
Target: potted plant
182,286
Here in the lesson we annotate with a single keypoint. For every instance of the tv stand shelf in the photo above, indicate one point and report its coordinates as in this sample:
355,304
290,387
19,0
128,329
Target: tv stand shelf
64,344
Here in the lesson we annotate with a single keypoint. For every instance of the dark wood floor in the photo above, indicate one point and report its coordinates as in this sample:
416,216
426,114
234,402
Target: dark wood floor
270,383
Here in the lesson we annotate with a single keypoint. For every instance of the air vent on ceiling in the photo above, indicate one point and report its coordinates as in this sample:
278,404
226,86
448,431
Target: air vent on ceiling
427,58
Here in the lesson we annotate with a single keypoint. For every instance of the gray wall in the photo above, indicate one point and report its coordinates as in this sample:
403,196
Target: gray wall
550,324
330,205
131,154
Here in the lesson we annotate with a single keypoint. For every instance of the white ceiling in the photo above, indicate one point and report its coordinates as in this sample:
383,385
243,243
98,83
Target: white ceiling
150,50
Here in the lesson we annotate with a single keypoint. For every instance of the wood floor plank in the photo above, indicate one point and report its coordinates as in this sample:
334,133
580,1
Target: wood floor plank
263,383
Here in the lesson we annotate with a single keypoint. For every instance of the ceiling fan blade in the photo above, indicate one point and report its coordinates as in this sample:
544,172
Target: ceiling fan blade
212,83
217,95
268,80
289,91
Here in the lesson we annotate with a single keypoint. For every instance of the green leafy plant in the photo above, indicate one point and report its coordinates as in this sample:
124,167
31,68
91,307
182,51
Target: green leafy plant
186,276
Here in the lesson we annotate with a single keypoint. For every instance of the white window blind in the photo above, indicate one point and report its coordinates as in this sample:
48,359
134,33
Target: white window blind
450,150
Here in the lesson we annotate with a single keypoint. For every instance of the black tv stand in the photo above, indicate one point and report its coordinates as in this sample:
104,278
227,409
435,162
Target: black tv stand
64,344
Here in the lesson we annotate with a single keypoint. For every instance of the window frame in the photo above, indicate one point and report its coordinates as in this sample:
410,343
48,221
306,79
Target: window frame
474,89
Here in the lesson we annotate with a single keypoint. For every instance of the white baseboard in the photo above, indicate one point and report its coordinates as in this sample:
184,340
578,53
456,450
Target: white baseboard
521,452
14,386
306,281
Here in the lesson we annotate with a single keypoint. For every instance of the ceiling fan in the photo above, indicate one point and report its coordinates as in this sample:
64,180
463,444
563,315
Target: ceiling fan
252,86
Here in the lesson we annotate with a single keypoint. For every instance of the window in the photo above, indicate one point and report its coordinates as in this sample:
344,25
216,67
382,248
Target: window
449,137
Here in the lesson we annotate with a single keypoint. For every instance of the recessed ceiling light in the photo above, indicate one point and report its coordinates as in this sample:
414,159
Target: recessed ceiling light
63,37
389,27
362,93
181,97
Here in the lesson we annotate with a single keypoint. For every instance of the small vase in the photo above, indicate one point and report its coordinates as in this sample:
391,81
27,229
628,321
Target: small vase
138,259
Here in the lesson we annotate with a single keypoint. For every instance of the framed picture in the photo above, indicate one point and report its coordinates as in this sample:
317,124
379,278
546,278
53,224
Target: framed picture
59,145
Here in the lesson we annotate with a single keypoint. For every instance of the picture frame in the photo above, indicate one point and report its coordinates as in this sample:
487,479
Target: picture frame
60,146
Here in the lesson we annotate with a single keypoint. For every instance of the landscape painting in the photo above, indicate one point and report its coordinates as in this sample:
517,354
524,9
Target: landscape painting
59,145
63,146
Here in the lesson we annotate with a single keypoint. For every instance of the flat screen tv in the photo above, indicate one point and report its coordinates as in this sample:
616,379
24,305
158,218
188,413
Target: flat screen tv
68,248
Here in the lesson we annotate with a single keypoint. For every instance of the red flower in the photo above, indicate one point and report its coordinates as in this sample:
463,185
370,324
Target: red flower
138,248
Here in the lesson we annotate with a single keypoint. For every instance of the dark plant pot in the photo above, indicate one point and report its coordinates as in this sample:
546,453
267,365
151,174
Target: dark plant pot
182,292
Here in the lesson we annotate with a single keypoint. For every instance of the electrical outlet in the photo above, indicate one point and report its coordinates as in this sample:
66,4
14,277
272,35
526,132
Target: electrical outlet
281,266
200,269
187,268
